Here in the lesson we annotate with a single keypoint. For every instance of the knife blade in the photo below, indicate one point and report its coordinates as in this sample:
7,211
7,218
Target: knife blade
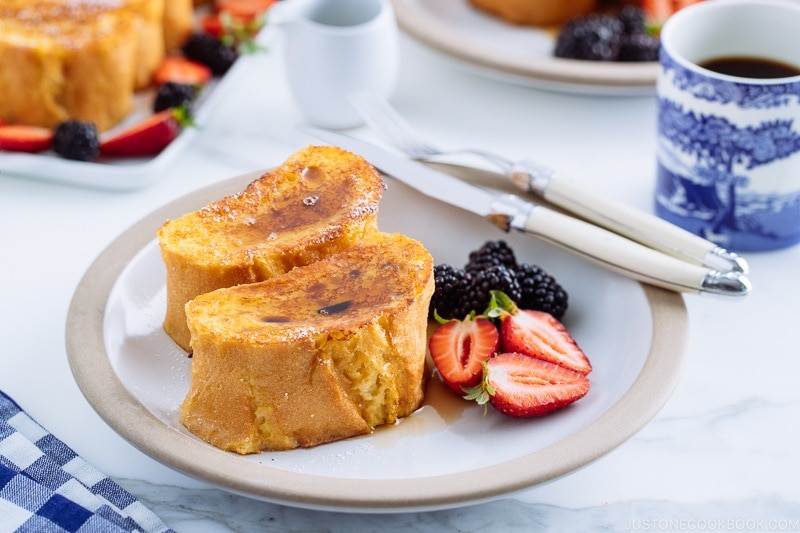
509,211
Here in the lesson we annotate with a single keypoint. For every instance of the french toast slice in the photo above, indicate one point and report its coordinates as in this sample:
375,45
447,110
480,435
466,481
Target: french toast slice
320,201
80,59
178,23
324,352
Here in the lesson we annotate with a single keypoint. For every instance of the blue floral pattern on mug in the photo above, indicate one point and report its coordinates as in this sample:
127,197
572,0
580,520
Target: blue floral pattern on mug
708,165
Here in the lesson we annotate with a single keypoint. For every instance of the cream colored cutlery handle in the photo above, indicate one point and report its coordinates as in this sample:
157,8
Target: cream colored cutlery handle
633,223
625,220
617,253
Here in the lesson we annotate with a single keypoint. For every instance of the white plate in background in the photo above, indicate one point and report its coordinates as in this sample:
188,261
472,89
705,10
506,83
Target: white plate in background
523,55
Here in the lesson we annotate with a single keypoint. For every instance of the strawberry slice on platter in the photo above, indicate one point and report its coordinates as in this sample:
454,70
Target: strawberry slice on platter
458,348
658,11
179,69
536,334
148,137
522,387
22,138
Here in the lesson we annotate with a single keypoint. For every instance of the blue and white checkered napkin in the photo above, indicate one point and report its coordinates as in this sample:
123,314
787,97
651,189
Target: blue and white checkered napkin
46,487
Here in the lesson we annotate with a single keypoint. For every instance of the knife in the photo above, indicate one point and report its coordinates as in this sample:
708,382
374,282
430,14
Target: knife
509,211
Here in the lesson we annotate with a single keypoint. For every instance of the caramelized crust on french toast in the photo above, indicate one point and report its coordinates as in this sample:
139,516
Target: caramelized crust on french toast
320,201
80,59
535,12
321,353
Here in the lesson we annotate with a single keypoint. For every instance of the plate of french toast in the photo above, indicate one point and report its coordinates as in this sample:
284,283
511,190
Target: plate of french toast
104,93
288,334
584,46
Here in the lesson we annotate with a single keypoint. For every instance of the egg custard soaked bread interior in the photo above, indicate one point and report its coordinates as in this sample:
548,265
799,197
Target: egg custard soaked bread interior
81,59
535,12
319,202
324,352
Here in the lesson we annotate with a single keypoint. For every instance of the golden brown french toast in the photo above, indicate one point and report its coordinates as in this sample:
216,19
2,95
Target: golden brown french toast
320,201
80,59
178,23
324,352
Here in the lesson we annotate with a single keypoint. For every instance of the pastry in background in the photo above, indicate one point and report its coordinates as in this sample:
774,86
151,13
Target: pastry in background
535,12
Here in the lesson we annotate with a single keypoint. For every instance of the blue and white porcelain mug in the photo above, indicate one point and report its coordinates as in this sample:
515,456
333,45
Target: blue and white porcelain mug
729,145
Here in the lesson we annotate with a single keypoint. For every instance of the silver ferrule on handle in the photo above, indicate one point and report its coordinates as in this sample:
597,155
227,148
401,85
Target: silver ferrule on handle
530,176
611,250
722,259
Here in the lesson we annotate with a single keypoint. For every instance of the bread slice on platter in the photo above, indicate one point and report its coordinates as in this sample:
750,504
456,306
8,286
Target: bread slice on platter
81,59
536,12
324,352
319,202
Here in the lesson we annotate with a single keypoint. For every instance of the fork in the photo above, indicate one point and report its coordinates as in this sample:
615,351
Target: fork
532,177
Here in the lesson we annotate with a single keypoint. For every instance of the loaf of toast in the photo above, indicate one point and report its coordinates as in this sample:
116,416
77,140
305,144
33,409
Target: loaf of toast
321,353
80,59
320,201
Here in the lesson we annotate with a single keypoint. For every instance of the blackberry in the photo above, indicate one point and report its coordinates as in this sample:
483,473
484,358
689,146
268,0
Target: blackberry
496,277
593,37
540,291
173,94
492,253
76,139
639,47
448,295
210,51
633,19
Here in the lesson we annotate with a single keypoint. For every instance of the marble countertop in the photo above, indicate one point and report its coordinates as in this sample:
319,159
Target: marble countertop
721,455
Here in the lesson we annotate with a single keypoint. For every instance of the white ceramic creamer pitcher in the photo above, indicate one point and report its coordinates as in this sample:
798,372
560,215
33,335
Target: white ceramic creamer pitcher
335,49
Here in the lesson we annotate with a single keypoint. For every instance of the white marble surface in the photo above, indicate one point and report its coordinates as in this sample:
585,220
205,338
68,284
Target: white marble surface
722,454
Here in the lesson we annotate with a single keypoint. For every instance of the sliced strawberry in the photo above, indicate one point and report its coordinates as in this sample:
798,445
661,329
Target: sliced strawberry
459,348
658,11
245,10
20,138
181,70
212,24
148,137
522,386
538,334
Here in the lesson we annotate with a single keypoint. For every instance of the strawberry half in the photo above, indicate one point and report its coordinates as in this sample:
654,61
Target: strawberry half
148,137
459,348
21,138
537,334
522,386
179,69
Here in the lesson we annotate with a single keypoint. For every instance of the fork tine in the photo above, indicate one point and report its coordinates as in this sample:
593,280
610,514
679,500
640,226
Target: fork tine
387,122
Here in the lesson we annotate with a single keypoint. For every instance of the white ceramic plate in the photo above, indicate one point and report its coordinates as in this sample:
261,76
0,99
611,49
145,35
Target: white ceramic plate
522,55
123,174
444,455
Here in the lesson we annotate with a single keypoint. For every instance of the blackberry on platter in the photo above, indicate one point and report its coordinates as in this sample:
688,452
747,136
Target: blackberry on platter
492,253
172,94
497,277
593,37
77,140
540,291
639,47
210,51
451,285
